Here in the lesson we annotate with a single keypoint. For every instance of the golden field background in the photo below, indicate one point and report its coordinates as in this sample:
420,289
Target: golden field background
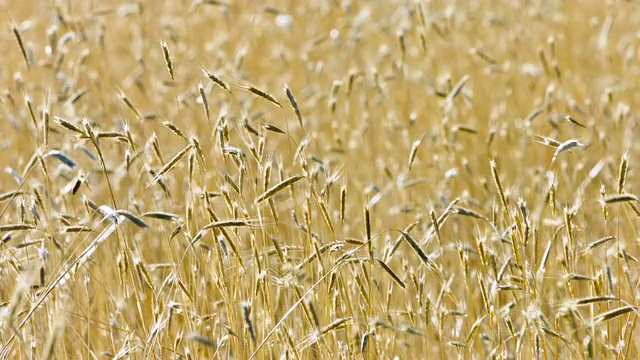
461,181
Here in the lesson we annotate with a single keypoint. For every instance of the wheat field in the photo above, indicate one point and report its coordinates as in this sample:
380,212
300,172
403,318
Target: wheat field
319,179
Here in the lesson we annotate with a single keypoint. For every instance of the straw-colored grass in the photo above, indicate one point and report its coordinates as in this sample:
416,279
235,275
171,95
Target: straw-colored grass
319,179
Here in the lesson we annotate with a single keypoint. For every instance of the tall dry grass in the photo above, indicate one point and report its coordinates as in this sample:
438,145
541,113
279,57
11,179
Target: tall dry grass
319,179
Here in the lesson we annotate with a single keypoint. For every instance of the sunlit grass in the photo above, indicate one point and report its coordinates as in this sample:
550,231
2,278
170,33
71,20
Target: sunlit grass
319,179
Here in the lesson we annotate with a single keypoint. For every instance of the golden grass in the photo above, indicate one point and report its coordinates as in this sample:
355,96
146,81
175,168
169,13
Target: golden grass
319,179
